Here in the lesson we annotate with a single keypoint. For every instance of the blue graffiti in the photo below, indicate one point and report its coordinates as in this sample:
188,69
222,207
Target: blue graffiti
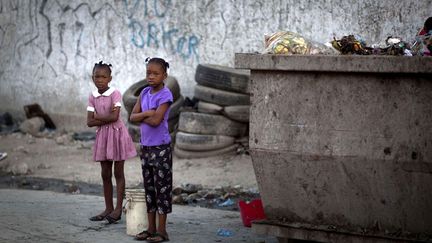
156,8
154,34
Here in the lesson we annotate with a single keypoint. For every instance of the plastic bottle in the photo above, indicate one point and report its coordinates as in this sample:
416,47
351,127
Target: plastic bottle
224,232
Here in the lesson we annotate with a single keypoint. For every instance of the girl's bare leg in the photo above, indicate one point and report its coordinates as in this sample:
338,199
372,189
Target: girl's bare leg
120,185
106,174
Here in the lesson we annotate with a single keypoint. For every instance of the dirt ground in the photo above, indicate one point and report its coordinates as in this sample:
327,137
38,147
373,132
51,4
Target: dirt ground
58,156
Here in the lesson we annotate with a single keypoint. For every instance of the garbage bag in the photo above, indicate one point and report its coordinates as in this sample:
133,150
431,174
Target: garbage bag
351,44
422,45
287,42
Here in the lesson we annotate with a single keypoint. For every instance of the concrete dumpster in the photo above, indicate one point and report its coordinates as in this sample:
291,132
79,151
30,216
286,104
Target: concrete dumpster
342,146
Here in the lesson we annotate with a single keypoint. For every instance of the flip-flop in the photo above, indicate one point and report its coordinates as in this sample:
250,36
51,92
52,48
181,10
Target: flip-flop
162,238
98,217
144,235
112,220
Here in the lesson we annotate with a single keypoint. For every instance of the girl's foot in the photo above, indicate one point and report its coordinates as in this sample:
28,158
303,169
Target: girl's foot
144,235
114,216
100,217
158,237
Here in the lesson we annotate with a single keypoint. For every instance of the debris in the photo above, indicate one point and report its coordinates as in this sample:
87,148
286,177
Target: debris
72,188
224,232
3,155
178,199
84,136
62,140
351,45
192,198
7,125
354,45
287,42
191,188
177,190
32,126
252,210
19,169
227,203
34,110
212,194
43,166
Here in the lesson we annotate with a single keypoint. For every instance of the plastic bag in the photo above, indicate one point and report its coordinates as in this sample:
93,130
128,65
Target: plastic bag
287,42
422,45
351,44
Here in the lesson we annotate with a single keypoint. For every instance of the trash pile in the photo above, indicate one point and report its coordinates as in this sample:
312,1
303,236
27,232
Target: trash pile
354,45
291,43
226,198
287,42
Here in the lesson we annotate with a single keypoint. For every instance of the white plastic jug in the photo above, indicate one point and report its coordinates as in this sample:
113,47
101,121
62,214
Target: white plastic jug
136,211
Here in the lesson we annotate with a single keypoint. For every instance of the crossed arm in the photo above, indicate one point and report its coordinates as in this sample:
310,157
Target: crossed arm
95,119
151,117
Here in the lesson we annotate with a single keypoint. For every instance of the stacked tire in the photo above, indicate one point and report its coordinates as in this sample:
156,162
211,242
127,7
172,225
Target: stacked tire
221,121
131,95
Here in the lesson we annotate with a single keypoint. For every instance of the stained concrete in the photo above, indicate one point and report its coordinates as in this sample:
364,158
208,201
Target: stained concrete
40,216
344,144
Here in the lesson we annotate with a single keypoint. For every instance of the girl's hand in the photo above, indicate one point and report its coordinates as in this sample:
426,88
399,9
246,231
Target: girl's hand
114,108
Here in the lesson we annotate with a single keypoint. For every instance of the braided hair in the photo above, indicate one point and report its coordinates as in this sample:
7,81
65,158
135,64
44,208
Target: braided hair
103,65
160,61
428,24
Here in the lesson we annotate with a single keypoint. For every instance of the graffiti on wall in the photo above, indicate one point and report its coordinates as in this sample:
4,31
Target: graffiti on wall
153,32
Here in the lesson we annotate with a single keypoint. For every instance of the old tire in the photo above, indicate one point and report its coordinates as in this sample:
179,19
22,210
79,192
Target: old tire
130,96
201,142
173,123
175,107
222,77
220,97
238,113
209,108
201,123
135,132
186,154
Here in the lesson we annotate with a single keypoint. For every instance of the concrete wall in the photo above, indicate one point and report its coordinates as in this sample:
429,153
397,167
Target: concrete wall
352,141
48,47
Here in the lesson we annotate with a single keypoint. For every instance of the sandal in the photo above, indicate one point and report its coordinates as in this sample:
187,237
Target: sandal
144,235
112,220
98,217
157,237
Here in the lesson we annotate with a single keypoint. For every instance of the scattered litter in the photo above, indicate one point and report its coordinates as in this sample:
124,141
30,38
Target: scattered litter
84,136
250,211
32,126
224,233
7,124
355,45
351,44
35,110
3,155
227,203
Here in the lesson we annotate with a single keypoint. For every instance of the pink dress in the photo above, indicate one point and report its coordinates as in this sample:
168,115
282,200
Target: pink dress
113,141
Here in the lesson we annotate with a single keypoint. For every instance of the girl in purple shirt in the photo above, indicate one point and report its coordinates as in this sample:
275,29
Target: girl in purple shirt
152,110
113,143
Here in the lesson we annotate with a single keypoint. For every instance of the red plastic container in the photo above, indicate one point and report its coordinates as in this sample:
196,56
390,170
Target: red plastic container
252,210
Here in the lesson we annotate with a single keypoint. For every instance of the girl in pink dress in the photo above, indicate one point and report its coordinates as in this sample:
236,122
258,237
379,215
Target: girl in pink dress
113,143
